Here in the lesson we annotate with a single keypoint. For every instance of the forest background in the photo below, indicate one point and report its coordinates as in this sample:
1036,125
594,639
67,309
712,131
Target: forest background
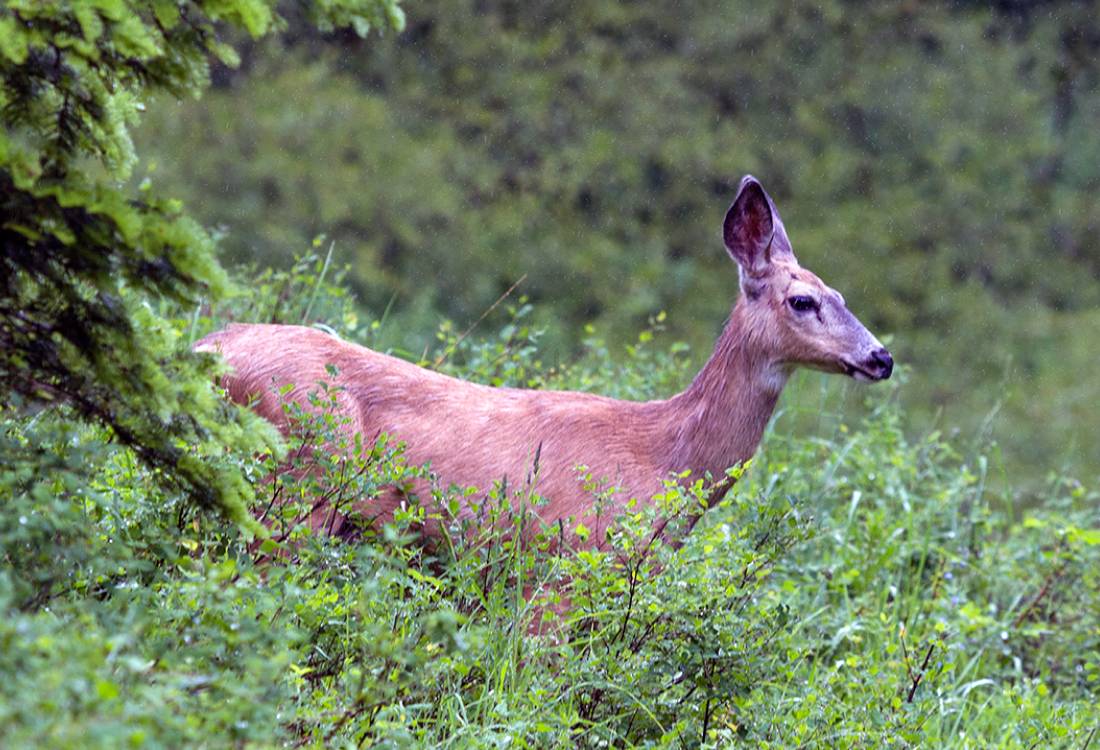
937,162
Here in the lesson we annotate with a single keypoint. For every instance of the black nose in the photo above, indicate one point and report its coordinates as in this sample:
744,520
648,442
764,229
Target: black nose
883,362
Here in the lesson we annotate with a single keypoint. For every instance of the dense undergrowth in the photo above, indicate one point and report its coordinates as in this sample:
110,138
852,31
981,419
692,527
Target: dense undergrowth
861,586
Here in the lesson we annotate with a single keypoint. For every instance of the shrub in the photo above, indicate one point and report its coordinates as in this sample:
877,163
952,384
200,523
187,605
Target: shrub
857,588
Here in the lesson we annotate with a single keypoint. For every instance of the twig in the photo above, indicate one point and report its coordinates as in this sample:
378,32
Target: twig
920,675
1053,576
317,284
706,722
451,349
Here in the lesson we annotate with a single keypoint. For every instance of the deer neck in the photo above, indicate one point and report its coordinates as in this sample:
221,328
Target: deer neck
720,419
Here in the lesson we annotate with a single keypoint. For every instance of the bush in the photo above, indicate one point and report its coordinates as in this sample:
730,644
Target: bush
857,588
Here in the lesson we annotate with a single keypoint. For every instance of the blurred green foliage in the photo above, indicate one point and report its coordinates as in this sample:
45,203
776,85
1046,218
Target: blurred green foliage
937,163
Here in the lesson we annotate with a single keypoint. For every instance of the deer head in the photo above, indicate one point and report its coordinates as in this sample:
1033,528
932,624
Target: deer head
794,316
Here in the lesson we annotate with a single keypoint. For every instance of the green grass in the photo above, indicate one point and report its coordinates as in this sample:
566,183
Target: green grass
861,586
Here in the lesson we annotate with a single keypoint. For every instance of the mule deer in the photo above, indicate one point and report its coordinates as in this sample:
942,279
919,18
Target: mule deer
474,435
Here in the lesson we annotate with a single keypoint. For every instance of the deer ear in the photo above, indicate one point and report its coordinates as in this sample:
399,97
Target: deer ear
753,231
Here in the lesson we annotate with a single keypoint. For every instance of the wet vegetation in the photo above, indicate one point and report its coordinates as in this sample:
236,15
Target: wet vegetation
864,585
911,565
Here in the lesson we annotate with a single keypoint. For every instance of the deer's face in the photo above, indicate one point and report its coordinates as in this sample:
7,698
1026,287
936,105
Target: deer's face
798,320
814,327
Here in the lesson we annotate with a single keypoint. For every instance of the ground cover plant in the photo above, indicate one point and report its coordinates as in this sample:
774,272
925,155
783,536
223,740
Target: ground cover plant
858,588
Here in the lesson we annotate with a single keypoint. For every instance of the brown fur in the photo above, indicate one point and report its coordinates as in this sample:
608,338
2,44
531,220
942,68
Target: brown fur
475,435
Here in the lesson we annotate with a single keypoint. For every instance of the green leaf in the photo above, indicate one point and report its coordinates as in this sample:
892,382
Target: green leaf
106,690
13,40
1090,537
134,38
91,26
167,13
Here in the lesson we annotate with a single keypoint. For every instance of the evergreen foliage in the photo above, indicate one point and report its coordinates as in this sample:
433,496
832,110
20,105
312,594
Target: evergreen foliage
86,263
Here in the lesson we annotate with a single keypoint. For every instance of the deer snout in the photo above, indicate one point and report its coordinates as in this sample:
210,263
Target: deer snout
880,364
876,366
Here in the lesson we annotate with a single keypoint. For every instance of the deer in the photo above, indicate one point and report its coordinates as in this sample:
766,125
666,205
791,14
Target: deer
473,435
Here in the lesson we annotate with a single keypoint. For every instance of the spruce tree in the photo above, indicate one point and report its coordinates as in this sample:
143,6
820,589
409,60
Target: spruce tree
88,263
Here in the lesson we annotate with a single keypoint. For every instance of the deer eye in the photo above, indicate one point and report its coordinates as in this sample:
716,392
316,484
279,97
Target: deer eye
801,303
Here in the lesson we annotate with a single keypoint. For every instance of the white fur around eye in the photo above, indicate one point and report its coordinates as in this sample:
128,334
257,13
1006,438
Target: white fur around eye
801,289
